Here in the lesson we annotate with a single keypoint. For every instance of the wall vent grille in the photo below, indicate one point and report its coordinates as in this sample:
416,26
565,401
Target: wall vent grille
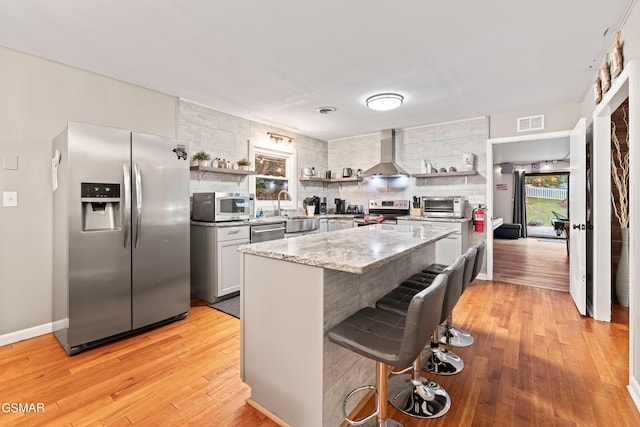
530,123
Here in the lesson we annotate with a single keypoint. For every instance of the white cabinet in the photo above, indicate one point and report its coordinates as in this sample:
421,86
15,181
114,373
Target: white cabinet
327,224
215,262
451,247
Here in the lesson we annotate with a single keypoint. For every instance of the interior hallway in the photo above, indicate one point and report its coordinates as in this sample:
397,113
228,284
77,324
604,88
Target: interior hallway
532,261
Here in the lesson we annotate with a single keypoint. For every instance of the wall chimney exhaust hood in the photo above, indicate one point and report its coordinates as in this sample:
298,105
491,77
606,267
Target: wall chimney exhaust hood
387,168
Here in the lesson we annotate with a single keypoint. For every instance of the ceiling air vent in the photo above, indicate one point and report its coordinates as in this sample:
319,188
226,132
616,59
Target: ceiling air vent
526,124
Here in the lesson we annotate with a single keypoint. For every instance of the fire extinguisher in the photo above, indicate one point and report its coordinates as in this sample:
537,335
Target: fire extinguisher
478,219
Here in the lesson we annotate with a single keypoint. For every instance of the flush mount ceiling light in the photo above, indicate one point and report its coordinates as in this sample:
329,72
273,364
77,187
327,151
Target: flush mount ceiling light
276,137
385,101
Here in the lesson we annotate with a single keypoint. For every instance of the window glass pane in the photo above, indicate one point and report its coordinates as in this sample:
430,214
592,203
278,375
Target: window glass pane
268,188
271,165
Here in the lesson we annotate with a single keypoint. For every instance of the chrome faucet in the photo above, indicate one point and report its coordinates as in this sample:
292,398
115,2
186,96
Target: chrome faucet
278,212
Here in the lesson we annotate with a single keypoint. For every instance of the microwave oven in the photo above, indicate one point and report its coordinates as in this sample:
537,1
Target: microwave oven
443,207
218,207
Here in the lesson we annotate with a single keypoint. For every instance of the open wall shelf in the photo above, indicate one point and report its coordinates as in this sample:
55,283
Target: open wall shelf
443,174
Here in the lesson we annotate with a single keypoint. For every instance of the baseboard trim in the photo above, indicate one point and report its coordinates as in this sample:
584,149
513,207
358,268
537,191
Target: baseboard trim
276,419
25,334
634,391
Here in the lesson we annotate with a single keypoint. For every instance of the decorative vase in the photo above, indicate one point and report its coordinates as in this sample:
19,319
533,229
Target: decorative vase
622,274
244,167
203,163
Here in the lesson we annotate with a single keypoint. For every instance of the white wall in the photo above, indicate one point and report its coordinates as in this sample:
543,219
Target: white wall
557,118
37,98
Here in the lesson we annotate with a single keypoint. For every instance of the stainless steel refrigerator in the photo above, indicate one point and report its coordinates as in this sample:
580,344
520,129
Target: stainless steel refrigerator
120,233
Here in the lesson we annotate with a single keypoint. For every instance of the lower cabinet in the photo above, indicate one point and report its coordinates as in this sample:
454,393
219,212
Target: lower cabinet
215,263
451,247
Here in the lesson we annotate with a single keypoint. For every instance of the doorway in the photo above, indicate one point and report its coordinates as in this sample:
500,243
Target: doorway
547,204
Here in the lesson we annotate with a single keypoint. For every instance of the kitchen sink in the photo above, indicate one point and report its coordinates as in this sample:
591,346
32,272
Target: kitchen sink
298,224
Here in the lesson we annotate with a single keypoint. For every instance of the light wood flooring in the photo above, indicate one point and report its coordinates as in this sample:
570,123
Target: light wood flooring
535,362
532,262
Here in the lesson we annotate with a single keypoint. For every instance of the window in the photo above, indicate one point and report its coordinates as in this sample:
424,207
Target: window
275,170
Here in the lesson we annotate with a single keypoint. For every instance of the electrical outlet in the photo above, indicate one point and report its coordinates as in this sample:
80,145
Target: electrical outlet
10,198
476,200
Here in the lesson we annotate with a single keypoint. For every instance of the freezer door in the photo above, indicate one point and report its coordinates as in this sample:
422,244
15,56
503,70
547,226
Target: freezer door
160,235
99,293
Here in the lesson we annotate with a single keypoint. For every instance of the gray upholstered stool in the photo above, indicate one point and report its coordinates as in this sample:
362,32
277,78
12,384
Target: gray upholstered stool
389,339
449,334
435,358
414,395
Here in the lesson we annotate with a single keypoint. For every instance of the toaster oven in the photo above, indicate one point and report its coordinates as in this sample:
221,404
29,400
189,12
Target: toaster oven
443,207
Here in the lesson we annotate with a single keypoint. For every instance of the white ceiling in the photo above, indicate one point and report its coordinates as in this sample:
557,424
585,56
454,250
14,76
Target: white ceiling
277,61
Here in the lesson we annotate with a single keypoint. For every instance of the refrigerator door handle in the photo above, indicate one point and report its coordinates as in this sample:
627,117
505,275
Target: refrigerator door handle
138,183
127,203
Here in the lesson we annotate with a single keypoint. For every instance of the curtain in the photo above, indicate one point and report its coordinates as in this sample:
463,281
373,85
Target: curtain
519,202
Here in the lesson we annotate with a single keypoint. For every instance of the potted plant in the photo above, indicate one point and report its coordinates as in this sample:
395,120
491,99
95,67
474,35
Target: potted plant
244,164
201,158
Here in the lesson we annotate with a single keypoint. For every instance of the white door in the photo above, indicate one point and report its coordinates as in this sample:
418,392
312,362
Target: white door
578,217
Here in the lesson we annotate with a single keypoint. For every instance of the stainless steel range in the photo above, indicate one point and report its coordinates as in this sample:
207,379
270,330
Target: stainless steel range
383,212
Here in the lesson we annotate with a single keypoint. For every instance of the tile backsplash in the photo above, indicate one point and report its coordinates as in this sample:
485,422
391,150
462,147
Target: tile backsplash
226,136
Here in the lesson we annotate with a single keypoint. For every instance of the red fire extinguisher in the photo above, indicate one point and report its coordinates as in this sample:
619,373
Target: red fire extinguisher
478,219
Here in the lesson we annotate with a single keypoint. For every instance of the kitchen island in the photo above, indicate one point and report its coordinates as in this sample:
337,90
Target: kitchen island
295,290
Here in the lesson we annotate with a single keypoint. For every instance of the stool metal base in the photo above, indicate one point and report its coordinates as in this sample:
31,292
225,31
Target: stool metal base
425,399
455,337
388,423
438,360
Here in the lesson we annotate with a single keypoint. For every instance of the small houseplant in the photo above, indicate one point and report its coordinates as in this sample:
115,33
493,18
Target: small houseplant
244,163
201,158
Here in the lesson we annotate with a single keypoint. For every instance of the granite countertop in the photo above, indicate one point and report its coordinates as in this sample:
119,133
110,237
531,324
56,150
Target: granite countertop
427,219
264,220
355,250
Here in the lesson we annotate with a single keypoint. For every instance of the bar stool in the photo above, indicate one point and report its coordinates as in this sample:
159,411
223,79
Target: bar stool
449,334
436,359
389,339
415,395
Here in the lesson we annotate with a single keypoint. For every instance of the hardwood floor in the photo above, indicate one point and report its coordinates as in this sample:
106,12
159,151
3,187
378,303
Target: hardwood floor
185,373
535,362
532,262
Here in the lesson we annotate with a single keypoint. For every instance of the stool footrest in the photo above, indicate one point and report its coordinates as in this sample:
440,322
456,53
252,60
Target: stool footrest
362,420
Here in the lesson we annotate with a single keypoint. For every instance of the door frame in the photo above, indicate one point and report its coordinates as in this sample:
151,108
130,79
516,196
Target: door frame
624,86
490,181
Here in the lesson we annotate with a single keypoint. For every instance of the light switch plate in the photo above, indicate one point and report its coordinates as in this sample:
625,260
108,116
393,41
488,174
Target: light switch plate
9,199
476,200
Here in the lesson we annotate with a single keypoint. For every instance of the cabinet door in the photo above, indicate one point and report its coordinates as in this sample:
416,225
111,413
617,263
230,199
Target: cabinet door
448,249
228,267
322,225
332,225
